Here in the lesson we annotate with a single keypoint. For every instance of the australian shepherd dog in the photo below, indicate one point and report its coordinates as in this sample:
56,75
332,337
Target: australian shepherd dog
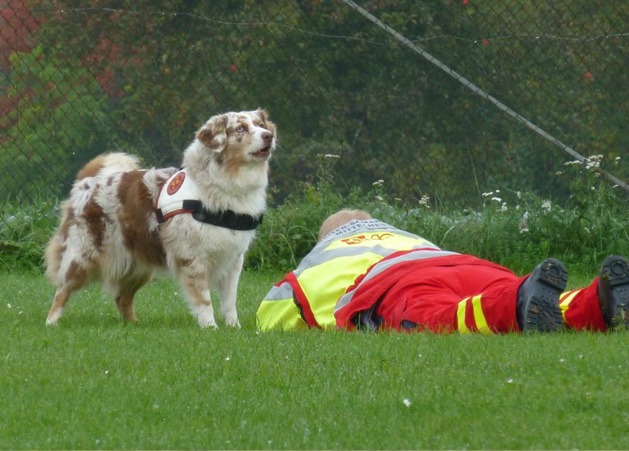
122,223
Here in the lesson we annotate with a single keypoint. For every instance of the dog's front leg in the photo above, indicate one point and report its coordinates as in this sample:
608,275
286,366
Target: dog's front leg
228,291
194,281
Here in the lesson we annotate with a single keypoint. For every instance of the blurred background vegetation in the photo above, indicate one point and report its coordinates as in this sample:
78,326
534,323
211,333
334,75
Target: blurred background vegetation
81,78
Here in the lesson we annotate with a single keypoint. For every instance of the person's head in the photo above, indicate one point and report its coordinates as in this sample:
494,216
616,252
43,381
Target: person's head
340,218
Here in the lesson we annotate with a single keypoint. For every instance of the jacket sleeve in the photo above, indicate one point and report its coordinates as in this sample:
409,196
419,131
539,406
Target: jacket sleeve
278,310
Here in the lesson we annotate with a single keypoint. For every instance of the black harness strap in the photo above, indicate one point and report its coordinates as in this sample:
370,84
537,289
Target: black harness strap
227,219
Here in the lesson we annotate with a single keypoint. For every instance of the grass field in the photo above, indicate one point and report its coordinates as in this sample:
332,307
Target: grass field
96,383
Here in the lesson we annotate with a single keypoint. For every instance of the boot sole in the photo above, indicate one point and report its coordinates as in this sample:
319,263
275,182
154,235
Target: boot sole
543,313
615,271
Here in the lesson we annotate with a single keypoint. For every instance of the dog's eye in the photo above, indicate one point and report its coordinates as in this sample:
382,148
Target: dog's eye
240,129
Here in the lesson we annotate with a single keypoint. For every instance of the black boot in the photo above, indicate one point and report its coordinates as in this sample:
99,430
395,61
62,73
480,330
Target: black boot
613,291
538,297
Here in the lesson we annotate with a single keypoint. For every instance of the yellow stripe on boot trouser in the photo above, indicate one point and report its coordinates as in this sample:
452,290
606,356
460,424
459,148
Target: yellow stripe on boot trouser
479,316
565,299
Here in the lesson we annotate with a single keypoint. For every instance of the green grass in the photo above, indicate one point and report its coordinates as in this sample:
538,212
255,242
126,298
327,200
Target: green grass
95,383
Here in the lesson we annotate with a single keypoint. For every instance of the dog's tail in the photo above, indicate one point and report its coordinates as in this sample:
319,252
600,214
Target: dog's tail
108,164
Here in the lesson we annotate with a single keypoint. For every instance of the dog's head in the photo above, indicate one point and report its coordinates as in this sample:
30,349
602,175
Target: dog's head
239,138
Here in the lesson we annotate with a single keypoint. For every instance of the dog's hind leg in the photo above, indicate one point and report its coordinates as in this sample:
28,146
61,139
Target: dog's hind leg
61,298
125,293
75,279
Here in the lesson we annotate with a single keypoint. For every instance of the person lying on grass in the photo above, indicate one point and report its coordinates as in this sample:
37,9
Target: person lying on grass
366,274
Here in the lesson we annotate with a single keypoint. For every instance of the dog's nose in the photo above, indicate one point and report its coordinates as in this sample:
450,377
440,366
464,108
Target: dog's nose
267,137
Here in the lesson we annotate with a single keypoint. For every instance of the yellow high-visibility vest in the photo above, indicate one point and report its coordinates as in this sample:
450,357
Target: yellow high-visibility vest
306,296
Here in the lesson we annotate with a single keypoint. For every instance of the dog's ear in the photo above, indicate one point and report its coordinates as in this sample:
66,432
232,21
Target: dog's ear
266,123
213,134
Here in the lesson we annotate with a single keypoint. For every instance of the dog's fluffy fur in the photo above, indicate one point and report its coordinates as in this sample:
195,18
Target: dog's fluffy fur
109,229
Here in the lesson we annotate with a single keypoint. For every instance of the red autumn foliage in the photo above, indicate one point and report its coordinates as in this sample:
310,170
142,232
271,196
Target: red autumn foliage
16,25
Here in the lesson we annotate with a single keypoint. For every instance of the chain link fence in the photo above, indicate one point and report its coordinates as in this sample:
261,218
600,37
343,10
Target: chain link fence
440,99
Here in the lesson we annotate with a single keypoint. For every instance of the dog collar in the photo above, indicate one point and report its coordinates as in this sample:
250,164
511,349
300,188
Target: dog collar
180,195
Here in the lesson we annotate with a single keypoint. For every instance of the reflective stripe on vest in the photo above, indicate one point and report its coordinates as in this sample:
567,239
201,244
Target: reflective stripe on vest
329,269
279,311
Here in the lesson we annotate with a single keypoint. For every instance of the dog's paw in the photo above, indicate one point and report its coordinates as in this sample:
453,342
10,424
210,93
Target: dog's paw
233,322
53,317
205,322
205,315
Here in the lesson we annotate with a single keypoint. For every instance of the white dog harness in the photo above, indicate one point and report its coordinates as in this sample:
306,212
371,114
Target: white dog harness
181,195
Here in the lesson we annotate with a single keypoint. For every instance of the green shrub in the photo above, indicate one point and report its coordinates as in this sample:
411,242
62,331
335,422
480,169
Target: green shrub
515,229
24,231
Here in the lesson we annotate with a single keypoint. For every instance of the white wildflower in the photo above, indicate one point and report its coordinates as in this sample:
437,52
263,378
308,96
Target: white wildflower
571,163
546,206
490,193
331,155
524,223
378,183
496,199
503,207
406,402
379,198
593,162
424,201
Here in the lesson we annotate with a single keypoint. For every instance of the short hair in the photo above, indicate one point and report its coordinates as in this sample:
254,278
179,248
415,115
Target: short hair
340,218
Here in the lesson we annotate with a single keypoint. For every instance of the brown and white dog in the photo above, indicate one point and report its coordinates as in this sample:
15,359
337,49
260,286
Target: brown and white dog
121,223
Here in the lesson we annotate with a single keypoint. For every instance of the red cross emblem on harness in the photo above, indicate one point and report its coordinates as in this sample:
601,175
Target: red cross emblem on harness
176,183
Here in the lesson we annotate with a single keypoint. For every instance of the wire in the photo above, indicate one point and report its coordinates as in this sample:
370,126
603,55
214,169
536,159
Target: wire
477,90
